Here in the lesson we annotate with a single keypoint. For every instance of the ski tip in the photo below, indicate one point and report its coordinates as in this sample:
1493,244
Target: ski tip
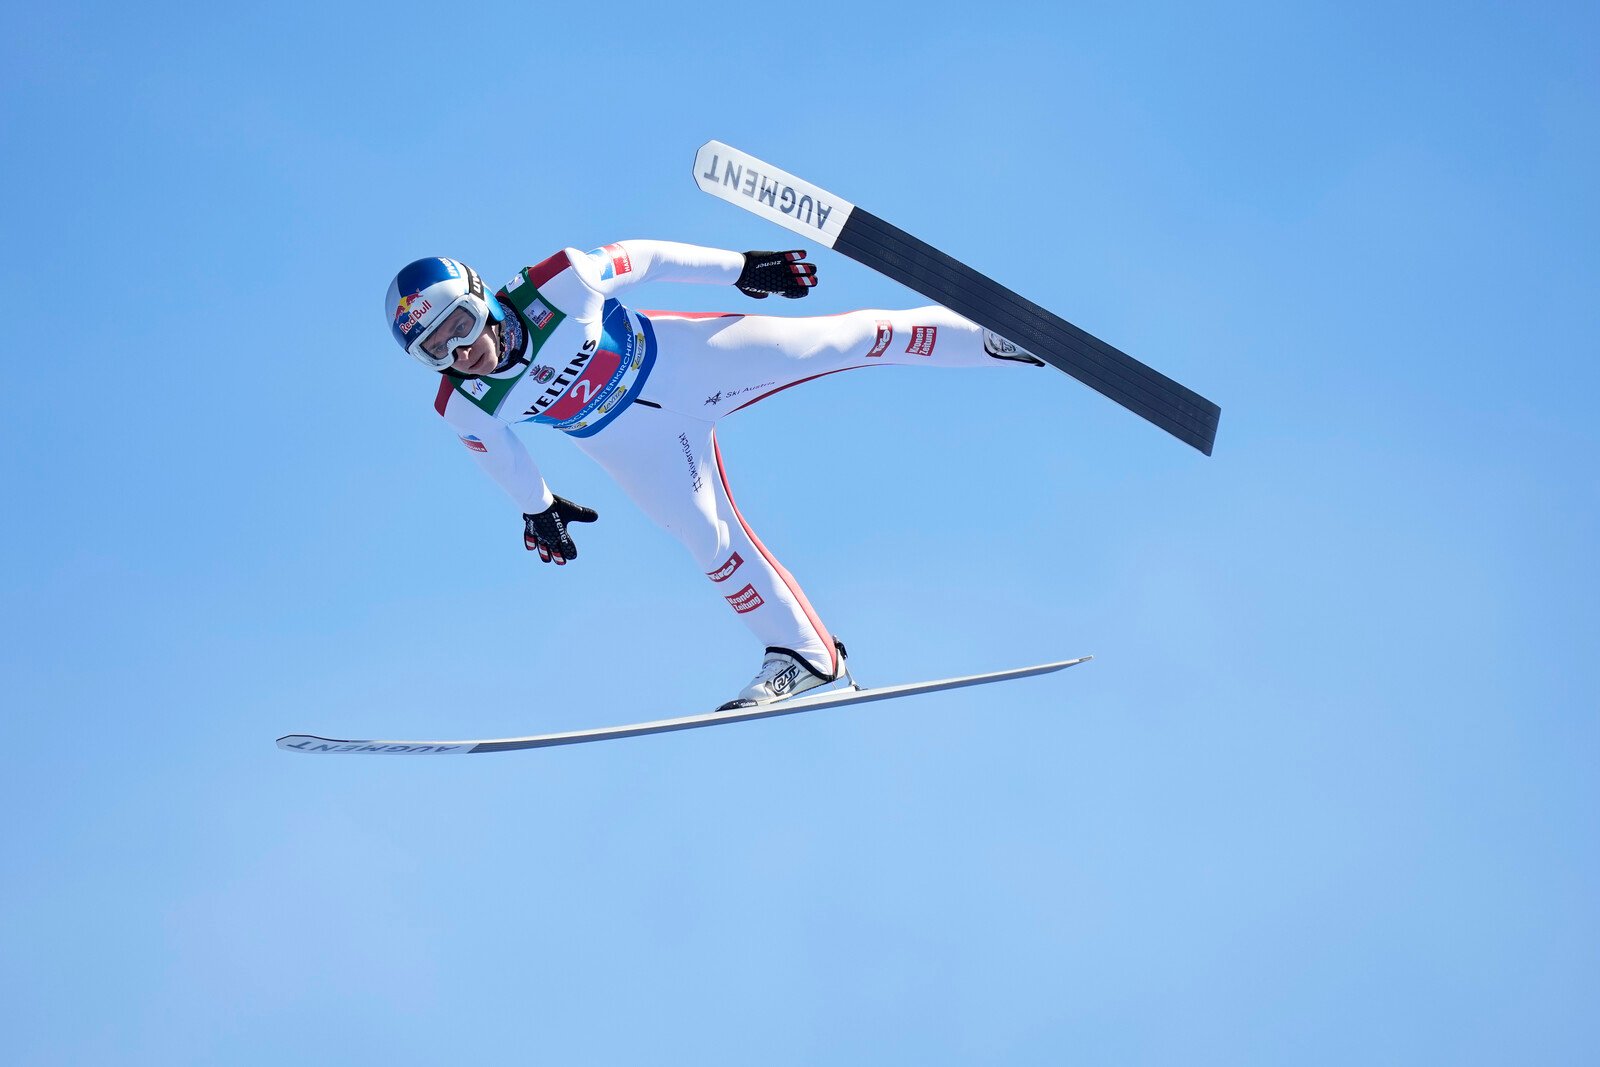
304,742
1049,668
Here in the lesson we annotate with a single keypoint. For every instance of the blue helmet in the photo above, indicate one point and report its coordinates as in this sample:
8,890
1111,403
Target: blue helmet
437,305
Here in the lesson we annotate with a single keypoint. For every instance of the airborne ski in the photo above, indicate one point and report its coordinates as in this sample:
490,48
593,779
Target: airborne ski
837,698
795,204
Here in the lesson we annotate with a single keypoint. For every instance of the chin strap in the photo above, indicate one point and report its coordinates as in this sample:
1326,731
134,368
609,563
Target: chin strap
513,337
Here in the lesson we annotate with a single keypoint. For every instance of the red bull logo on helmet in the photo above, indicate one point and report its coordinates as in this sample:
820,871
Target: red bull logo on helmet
410,312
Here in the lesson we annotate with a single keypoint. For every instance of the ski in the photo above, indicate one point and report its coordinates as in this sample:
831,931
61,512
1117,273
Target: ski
837,698
796,204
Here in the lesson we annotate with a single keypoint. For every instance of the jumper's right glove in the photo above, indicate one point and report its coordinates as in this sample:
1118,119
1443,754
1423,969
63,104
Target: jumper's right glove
547,534
776,272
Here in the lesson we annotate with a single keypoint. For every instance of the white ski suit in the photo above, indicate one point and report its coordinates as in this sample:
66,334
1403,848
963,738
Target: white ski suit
642,392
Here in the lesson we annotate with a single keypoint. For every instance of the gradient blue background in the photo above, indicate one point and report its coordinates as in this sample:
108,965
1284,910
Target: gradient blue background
1326,795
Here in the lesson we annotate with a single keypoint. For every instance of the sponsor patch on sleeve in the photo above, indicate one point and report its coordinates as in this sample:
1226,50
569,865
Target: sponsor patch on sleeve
923,339
617,261
885,335
745,600
724,572
474,442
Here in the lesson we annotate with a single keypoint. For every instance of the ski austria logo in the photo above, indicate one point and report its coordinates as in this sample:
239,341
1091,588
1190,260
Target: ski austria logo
474,442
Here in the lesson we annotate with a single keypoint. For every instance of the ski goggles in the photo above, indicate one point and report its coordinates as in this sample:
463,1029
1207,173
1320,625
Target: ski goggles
461,324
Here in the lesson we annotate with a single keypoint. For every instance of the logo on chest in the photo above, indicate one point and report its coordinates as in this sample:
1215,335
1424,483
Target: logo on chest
580,382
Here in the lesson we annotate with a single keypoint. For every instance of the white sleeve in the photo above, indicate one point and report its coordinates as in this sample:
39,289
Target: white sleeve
497,449
616,266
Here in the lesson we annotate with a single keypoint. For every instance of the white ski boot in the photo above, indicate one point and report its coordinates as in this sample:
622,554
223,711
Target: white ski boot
783,675
1000,348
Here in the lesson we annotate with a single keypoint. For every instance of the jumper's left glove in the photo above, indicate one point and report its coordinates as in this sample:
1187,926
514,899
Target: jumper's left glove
546,532
776,272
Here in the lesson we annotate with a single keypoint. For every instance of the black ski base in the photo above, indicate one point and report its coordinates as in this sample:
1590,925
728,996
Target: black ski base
1104,368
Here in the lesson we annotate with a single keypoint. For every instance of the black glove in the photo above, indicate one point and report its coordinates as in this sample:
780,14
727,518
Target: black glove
547,531
776,272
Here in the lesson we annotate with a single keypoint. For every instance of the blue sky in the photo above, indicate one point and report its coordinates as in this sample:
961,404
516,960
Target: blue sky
1326,795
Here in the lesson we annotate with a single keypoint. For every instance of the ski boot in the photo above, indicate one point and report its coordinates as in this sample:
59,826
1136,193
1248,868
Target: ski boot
784,674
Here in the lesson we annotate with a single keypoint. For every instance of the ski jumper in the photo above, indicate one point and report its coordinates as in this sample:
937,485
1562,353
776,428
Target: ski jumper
641,393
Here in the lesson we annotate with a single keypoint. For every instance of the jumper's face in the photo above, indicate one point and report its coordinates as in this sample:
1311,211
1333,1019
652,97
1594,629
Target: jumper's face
480,357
